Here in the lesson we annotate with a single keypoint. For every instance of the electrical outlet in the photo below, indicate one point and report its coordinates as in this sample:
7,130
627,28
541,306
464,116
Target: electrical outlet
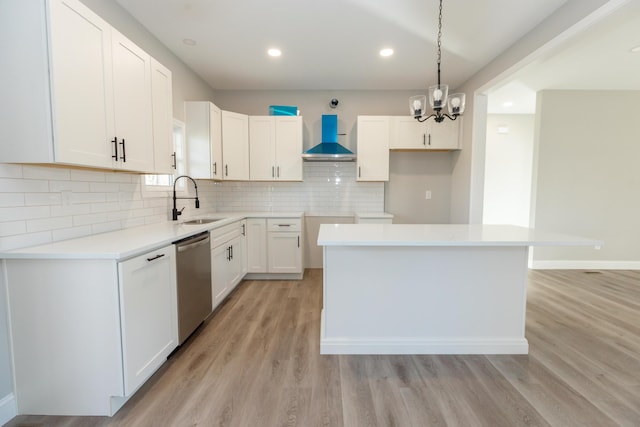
427,195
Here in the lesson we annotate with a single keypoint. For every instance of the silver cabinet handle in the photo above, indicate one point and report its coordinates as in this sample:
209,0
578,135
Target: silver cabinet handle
429,139
298,241
226,170
359,172
273,174
278,170
174,165
215,168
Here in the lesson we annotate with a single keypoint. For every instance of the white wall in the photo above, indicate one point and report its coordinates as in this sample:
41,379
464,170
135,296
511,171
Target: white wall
588,179
508,163
467,181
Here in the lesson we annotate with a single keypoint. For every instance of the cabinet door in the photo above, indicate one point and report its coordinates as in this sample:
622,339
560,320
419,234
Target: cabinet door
256,245
132,104
262,143
162,110
81,74
204,140
235,263
220,273
408,133
235,146
243,244
373,148
285,252
148,313
288,148
444,135
215,141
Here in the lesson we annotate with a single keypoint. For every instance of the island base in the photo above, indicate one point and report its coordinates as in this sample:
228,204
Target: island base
424,300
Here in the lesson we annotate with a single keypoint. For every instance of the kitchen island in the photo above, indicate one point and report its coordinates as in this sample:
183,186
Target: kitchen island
429,288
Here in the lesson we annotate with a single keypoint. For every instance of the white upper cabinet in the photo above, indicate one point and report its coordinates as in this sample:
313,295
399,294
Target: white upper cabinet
81,79
132,105
409,134
235,146
275,145
373,148
162,110
204,140
82,87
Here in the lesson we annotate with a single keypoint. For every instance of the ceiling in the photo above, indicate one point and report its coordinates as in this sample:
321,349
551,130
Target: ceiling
334,44
599,58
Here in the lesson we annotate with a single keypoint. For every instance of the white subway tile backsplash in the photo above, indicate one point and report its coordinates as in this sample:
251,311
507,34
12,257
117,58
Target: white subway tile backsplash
23,213
327,187
79,198
89,219
89,176
70,210
104,227
71,233
76,186
10,171
11,199
23,240
11,228
15,185
35,225
44,172
39,204
42,199
105,187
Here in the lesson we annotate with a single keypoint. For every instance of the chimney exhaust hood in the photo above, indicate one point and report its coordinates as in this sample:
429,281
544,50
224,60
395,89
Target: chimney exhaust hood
329,150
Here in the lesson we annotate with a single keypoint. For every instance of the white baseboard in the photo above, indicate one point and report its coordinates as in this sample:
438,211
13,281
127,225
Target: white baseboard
8,408
423,346
584,265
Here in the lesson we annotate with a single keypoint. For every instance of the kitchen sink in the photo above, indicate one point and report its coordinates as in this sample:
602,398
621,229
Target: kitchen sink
201,221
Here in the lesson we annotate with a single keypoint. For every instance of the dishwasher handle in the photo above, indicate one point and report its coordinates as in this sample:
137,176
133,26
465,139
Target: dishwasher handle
191,243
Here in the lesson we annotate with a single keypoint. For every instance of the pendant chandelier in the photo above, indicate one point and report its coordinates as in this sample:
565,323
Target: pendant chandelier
438,94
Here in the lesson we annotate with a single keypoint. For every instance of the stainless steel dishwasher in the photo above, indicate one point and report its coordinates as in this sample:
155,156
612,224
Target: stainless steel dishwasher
194,282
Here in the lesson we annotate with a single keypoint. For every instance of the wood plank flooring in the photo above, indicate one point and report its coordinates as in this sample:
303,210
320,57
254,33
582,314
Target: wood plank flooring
257,363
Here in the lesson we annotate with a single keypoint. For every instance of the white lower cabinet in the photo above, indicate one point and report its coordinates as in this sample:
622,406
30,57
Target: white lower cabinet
148,314
86,333
256,245
285,255
227,260
274,245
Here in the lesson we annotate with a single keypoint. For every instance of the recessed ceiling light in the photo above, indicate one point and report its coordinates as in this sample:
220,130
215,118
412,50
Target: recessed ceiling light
635,49
189,42
274,52
386,52
507,104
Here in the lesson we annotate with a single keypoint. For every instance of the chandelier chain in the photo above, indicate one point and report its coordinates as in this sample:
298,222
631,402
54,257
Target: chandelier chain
439,57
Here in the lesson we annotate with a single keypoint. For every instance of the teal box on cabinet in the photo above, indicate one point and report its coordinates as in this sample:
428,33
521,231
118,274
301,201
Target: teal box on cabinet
283,110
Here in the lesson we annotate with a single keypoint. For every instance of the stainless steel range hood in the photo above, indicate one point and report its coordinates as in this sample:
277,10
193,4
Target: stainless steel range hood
329,150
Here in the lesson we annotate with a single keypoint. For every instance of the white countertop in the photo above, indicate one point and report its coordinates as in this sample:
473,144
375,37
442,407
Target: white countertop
443,235
374,215
123,244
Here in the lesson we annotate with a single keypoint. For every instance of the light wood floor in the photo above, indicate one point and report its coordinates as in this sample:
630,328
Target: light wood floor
257,363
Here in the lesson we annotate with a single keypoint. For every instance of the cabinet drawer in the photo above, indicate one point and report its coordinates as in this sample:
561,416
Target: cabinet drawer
284,224
223,234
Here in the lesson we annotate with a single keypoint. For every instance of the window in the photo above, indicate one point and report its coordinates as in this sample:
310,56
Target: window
162,183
